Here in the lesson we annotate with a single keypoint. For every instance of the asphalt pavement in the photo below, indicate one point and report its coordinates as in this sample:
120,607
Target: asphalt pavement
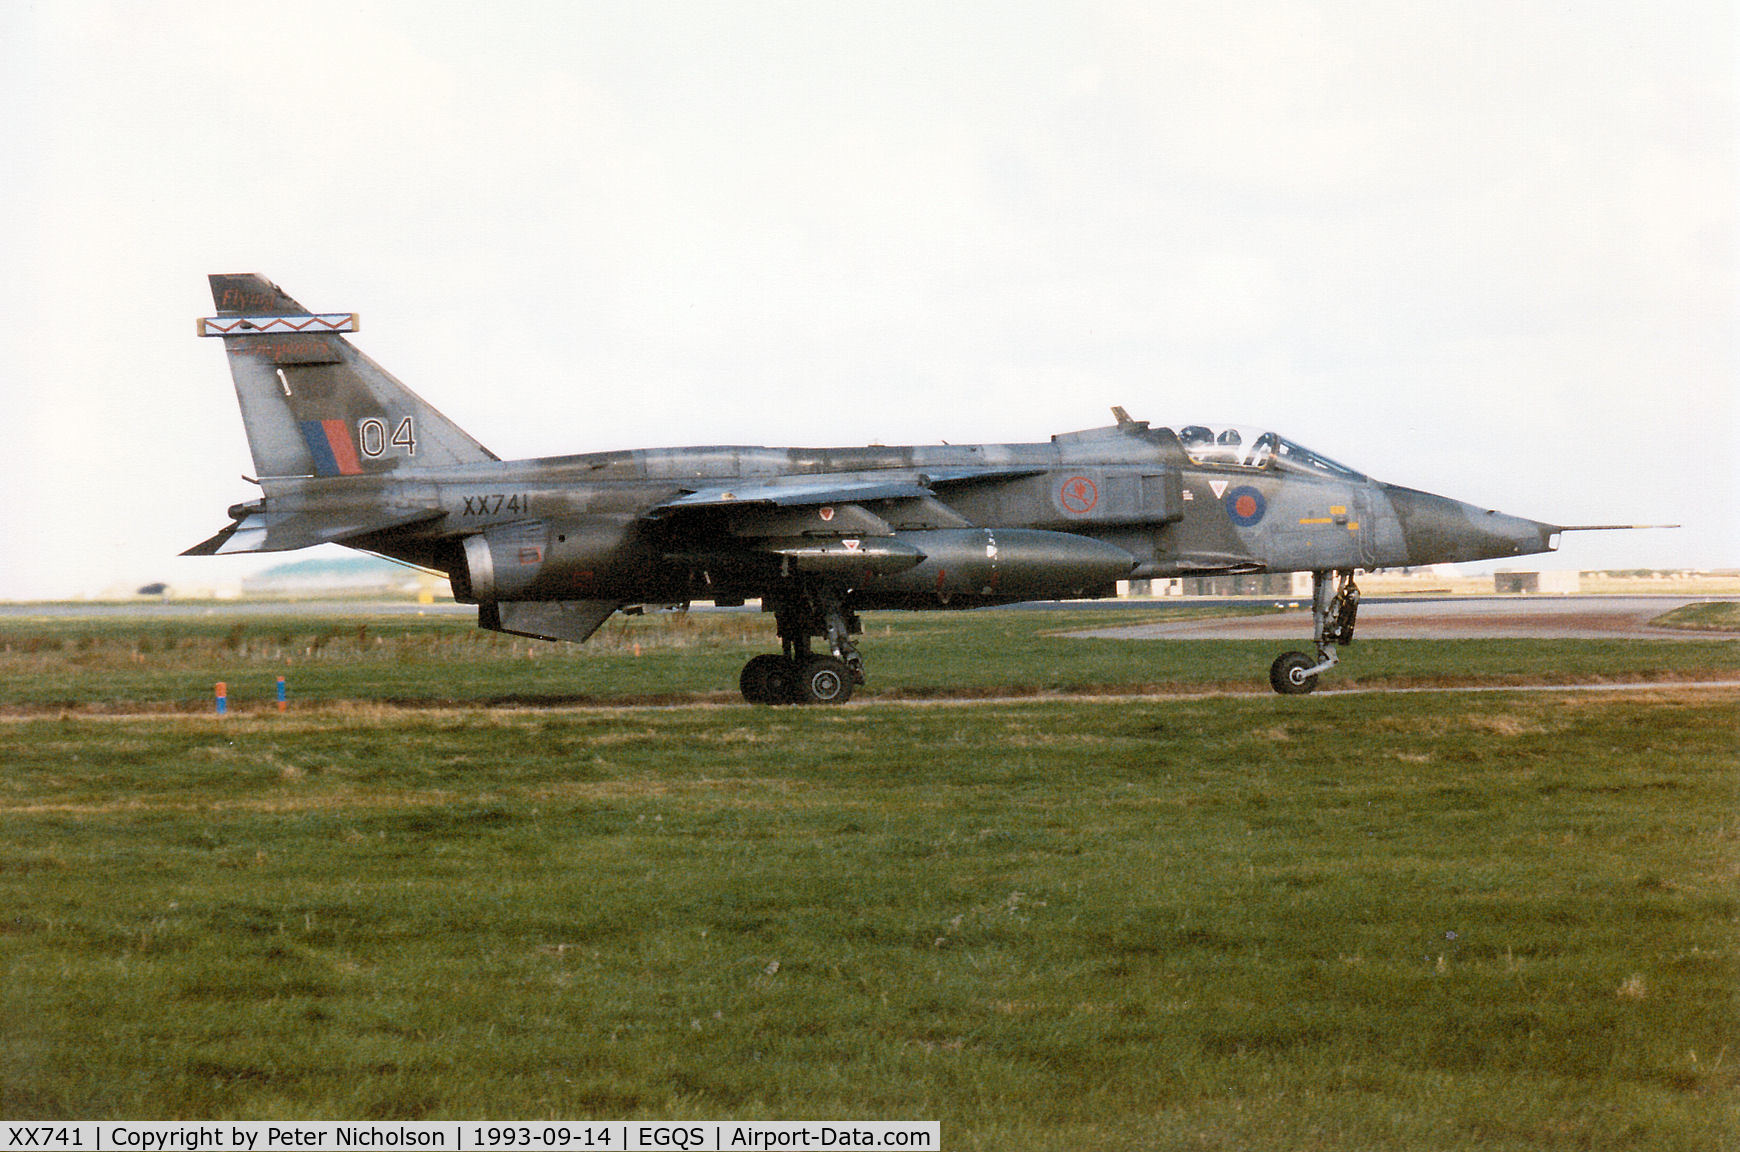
1464,618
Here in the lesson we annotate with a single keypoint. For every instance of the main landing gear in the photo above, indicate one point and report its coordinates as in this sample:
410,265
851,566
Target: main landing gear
799,675
1334,605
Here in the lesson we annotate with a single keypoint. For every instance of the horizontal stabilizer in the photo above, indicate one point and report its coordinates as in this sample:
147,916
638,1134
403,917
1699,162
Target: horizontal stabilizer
260,532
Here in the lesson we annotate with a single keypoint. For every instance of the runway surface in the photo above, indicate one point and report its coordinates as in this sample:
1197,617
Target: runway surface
1471,618
196,609
1461,618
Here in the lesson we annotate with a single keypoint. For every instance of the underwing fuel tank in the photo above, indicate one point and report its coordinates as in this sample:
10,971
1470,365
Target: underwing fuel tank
1022,563
849,558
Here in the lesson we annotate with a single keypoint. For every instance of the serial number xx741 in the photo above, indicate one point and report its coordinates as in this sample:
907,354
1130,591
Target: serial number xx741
495,503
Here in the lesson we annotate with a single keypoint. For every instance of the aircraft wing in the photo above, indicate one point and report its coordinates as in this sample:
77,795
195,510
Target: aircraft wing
258,532
824,490
828,524
830,488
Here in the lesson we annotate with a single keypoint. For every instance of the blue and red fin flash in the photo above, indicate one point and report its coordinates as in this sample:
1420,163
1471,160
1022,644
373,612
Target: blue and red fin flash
330,445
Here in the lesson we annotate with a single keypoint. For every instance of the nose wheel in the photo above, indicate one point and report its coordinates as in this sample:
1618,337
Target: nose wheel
1291,674
1334,609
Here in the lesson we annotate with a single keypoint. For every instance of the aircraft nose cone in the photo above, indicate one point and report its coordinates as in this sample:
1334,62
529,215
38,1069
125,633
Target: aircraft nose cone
1439,530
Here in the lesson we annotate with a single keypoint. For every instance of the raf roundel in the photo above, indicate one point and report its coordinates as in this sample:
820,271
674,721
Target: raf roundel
1245,505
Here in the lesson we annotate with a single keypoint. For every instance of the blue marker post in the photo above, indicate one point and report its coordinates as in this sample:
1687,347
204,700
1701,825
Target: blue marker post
223,698
283,694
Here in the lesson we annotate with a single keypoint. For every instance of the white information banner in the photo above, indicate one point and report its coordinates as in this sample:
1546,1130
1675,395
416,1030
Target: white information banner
468,1136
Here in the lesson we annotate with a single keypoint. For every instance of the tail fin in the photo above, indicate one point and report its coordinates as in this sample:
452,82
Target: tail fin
312,404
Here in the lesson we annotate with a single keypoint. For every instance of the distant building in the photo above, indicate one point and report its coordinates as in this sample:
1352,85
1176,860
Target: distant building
1285,584
1538,583
340,576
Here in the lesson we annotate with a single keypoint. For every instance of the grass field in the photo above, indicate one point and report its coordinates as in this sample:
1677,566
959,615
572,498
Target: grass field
1715,616
1377,921
128,666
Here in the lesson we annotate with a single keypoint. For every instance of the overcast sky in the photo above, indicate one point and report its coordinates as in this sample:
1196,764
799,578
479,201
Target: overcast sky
1486,249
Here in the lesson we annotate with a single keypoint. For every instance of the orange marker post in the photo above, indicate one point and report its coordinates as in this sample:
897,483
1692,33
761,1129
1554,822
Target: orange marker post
222,692
283,694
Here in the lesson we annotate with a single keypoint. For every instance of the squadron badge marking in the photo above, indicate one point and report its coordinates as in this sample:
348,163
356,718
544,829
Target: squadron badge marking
1079,495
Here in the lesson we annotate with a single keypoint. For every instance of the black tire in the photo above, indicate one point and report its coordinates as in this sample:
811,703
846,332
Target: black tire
824,680
768,679
1286,674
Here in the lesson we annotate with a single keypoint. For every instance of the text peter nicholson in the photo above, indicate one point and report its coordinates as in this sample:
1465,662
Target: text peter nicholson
456,1136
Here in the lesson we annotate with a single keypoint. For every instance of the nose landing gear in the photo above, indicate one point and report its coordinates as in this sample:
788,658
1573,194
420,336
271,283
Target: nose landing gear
1334,608
799,675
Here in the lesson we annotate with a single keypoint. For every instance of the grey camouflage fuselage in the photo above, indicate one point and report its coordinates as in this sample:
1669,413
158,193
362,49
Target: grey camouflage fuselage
551,547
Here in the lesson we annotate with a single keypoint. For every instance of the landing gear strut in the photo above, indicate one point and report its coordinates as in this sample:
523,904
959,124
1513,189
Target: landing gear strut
799,675
1334,607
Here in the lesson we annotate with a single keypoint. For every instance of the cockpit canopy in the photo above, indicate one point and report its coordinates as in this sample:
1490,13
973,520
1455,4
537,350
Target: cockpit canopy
1242,447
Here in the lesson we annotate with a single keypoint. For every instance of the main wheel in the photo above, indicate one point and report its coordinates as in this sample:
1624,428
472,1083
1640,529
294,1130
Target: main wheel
768,679
1287,675
824,680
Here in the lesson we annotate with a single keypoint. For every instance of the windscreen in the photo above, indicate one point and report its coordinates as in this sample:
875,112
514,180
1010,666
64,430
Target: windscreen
1242,447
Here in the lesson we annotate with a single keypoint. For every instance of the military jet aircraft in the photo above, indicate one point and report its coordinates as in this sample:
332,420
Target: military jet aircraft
550,548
